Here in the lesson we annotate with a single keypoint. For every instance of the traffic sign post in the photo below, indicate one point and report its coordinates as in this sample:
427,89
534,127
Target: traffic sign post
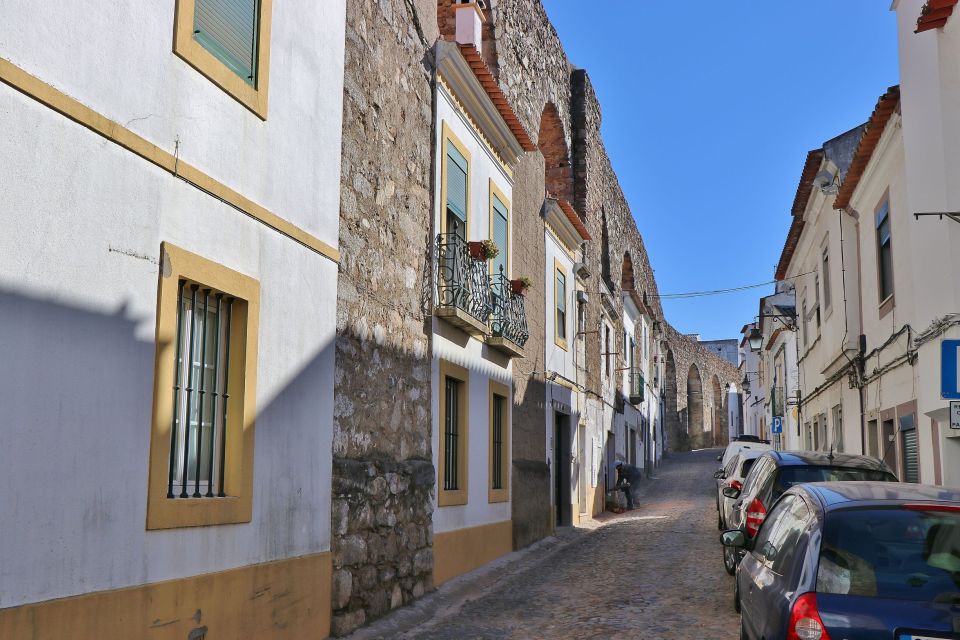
777,426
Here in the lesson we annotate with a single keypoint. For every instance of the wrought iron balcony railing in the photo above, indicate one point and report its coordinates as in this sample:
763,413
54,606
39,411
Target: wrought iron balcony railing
463,284
509,319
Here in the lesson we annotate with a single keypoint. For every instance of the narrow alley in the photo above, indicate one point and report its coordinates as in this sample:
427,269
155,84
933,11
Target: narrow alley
653,573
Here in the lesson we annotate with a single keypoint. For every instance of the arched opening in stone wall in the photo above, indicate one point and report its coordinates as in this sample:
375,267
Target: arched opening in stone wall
695,408
558,173
720,434
627,282
447,24
677,439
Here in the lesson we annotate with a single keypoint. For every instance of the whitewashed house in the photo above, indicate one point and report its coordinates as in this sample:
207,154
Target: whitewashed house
168,273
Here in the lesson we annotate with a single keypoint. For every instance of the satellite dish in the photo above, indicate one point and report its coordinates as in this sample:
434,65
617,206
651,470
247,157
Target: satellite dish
824,181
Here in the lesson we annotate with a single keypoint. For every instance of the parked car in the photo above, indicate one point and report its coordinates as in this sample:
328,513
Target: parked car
746,437
853,561
733,475
776,471
737,446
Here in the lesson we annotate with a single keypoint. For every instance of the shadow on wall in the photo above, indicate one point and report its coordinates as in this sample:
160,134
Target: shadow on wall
76,387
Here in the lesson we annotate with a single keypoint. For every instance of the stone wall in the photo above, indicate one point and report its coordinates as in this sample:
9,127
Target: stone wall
383,473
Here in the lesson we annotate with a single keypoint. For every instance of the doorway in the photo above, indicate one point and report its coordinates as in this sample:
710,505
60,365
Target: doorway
582,468
561,472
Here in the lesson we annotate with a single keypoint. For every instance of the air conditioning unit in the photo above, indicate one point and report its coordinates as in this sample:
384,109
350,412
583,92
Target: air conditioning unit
580,268
582,297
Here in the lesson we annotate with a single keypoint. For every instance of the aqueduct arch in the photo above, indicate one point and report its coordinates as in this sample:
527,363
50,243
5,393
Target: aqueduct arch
552,142
695,406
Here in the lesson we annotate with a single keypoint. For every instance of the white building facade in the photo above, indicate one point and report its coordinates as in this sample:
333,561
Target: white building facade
168,277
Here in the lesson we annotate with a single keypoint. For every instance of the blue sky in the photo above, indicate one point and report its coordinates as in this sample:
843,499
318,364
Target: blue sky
709,109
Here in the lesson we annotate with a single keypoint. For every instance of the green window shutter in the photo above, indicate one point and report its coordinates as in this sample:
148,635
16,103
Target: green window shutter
228,29
456,182
500,225
561,292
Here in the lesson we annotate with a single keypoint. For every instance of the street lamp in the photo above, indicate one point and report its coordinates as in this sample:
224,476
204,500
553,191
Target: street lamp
755,338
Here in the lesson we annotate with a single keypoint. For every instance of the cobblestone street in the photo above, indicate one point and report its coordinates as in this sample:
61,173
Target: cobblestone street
653,573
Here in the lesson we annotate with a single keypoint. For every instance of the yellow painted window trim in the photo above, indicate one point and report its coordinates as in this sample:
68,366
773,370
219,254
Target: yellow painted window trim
83,115
499,495
458,497
193,53
495,192
449,137
557,339
166,513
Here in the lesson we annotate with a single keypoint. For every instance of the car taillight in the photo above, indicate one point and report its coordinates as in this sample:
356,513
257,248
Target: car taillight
805,621
736,484
756,513
943,508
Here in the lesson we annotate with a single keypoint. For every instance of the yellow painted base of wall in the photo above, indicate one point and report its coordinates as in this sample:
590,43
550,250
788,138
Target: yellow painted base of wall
463,550
283,599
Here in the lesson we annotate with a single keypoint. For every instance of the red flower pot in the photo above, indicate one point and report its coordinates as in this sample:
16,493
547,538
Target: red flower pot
477,250
518,287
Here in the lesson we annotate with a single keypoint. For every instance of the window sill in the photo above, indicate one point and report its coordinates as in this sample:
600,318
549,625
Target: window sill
452,498
498,495
887,305
174,513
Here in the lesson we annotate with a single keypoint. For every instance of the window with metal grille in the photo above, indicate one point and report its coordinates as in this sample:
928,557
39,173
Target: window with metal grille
497,473
884,253
228,29
200,392
451,434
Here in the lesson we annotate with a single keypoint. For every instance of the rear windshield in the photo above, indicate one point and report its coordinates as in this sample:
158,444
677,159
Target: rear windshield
891,553
790,476
747,465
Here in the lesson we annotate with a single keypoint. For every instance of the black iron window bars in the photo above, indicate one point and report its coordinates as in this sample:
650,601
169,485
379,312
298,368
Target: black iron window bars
498,403
200,392
451,435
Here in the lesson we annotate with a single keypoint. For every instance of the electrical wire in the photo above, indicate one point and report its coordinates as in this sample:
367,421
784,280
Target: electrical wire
715,292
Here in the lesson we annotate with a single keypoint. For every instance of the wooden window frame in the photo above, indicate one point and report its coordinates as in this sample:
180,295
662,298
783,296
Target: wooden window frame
886,304
502,494
496,192
454,497
558,268
196,55
237,506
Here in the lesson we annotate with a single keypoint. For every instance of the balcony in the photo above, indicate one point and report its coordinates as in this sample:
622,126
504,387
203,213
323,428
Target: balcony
463,286
635,384
508,322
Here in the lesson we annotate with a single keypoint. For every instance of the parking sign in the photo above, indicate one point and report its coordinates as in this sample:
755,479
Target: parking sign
777,426
949,361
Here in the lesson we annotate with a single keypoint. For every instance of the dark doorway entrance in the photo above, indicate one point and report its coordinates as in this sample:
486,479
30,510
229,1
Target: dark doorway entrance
561,470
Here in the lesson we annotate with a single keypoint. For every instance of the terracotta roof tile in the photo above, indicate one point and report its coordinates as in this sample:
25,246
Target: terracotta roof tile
574,218
483,73
935,14
885,108
804,189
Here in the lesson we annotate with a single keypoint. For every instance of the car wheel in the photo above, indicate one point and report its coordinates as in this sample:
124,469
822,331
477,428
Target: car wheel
736,599
730,560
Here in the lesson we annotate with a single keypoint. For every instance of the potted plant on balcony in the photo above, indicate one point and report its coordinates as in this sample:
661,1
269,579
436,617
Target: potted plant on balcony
520,285
484,250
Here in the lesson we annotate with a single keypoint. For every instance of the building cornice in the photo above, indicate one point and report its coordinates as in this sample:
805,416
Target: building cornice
460,78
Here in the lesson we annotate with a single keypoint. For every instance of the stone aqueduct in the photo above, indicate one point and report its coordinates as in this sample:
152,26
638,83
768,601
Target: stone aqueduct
556,100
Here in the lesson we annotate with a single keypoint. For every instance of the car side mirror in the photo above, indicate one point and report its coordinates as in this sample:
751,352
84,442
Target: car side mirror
733,538
720,474
731,492
719,458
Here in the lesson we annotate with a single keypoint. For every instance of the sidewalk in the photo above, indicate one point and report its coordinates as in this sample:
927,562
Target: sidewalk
447,600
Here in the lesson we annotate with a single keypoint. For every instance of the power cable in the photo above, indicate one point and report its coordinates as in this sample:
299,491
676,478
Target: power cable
715,292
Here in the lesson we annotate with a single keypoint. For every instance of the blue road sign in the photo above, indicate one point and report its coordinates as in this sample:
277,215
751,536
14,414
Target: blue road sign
777,425
949,350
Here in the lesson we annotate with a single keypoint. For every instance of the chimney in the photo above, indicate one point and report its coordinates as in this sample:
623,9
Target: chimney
470,22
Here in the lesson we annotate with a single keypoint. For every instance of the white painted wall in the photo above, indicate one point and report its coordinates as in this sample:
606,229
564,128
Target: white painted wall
83,222
449,343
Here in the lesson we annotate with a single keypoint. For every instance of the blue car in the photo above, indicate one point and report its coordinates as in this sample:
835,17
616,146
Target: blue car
853,561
